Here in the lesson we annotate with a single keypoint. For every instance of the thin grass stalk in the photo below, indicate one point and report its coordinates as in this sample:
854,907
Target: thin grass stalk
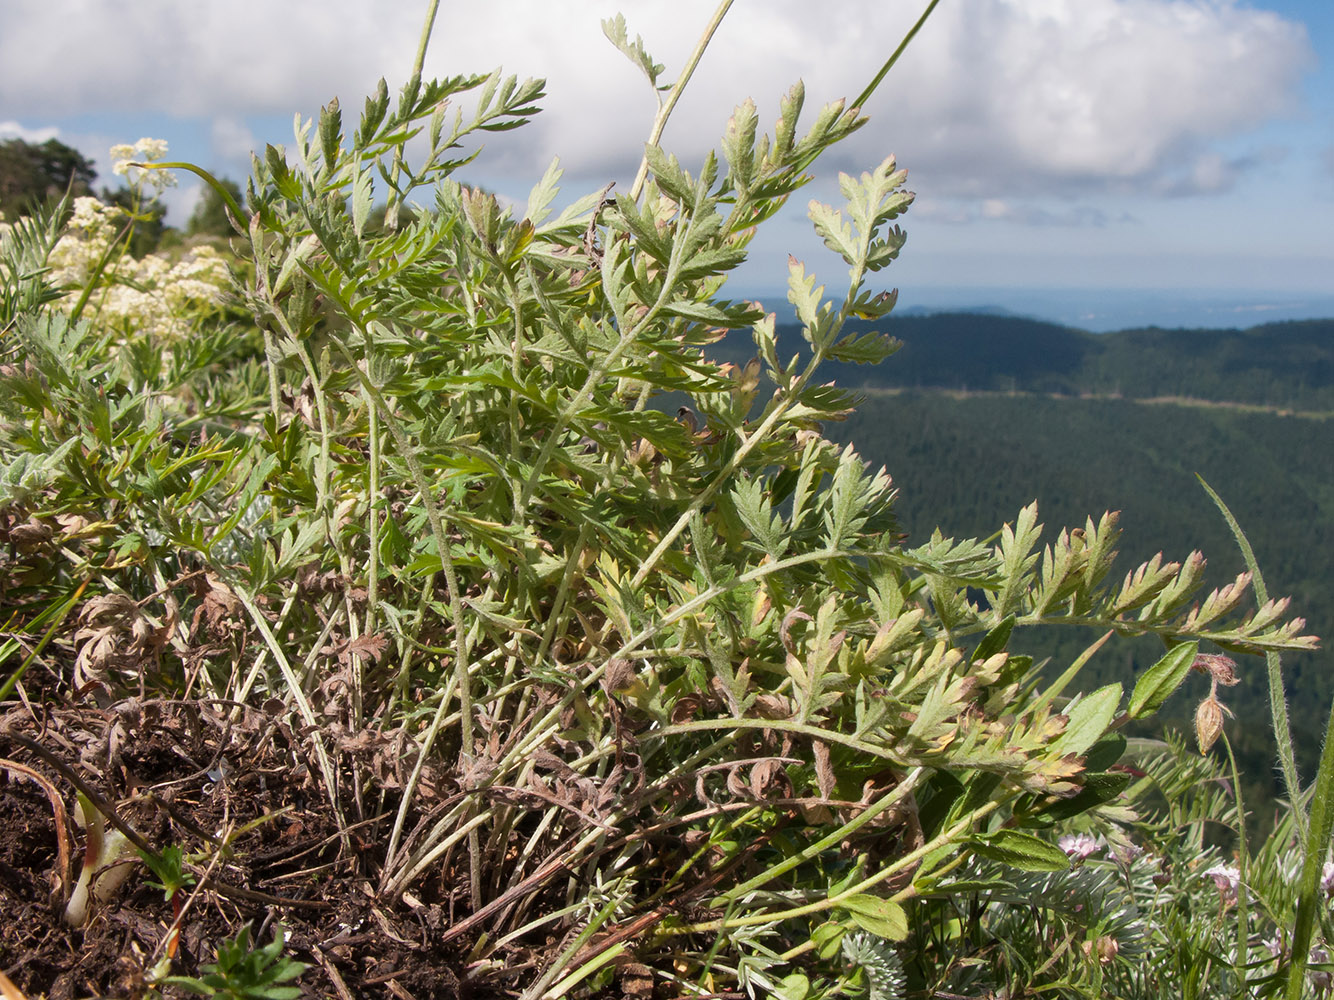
579,850
463,682
408,645
1243,936
812,850
538,989
780,725
324,500
425,857
59,612
865,95
674,95
119,246
748,445
303,704
949,836
541,921
562,988
1060,683
1278,705
516,371
1316,848
373,516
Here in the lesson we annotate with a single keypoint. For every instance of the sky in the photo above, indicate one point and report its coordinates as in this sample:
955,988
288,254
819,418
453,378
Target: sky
1100,162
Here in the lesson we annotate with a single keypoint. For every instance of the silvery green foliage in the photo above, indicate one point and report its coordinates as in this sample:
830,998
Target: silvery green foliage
1153,911
879,964
25,248
675,675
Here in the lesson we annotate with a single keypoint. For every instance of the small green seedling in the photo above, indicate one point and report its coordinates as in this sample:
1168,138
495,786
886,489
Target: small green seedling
244,972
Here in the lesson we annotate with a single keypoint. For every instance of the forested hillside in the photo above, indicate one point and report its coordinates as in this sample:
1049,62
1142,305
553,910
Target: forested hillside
980,413
957,459
1282,365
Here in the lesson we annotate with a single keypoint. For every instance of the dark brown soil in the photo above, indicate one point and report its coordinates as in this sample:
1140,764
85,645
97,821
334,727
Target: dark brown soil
196,775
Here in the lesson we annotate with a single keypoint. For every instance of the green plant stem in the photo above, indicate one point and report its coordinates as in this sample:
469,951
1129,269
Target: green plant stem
749,443
425,856
829,902
891,798
631,330
463,683
373,514
562,988
538,989
1278,705
790,394
118,246
1243,934
1316,849
207,178
323,472
419,61
865,95
674,95
1060,683
548,725
778,725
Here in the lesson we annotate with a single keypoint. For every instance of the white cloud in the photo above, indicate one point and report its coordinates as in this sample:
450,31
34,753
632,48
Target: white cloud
995,98
14,130
1021,211
231,139
201,58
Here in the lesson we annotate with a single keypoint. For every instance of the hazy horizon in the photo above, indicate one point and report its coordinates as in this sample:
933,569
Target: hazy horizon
1098,310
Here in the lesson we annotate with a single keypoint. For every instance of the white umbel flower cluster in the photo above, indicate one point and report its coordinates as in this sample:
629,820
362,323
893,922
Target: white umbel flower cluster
152,294
131,162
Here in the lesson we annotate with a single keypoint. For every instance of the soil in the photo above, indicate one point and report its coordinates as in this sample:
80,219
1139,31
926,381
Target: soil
236,790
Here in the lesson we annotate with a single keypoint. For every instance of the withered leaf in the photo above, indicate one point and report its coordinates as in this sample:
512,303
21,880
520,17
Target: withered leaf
369,647
766,775
824,770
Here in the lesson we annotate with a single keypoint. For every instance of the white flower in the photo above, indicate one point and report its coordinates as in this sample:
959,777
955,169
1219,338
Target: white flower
1227,878
1327,879
91,230
122,156
1078,846
126,159
152,149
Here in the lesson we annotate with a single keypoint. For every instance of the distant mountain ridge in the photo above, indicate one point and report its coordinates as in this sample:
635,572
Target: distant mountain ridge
1283,365
917,311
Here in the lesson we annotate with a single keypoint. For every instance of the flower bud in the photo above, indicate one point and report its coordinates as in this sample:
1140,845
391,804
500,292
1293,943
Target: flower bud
1105,948
1208,722
1164,873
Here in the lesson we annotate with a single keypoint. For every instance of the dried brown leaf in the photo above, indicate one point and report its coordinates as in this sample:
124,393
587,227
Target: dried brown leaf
824,770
